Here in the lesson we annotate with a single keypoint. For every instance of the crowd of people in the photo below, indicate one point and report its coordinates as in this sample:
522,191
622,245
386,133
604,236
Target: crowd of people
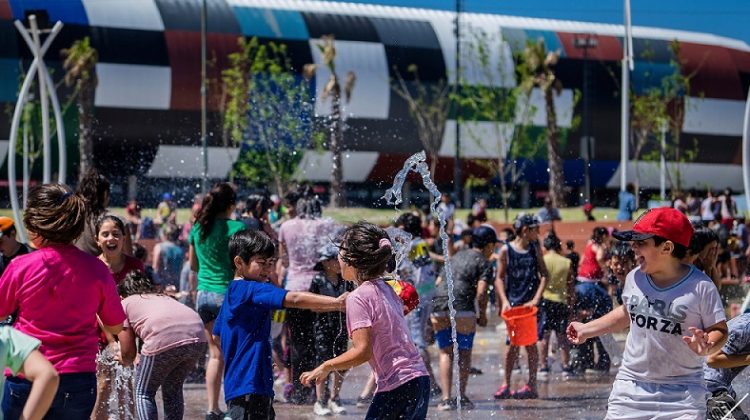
259,293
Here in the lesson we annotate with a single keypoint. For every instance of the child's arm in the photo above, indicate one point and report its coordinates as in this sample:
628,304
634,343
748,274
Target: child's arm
44,381
482,302
128,349
193,258
156,258
571,289
543,276
318,303
360,352
708,341
722,360
502,265
616,320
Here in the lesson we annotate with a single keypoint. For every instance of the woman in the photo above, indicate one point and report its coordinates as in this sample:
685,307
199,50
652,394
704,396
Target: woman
208,256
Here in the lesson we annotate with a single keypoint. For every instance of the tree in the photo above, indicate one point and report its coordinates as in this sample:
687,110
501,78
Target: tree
648,113
537,70
336,128
428,106
507,109
80,72
267,113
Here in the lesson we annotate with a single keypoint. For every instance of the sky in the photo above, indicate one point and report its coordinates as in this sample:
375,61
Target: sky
720,17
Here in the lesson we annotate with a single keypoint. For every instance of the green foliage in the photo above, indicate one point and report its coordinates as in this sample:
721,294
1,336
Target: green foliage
267,113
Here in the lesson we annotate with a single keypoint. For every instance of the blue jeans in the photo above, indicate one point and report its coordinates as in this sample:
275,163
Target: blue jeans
408,402
74,399
208,305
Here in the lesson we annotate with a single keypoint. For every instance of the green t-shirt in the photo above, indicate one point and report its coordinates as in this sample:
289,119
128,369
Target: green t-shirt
15,347
215,269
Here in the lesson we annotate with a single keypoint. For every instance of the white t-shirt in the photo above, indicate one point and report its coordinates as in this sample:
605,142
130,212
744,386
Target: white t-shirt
707,212
659,318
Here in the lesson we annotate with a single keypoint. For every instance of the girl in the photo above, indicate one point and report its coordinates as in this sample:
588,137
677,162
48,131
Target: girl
94,189
172,340
376,325
58,292
209,239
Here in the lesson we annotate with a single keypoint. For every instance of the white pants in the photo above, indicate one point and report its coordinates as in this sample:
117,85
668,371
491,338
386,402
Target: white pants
650,401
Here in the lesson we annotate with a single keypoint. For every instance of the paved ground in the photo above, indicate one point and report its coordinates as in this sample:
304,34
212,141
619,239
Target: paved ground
580,398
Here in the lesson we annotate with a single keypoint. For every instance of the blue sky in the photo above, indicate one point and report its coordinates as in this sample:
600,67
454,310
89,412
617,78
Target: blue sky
721,17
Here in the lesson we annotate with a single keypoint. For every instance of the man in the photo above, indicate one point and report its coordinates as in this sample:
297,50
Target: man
9,247
548,213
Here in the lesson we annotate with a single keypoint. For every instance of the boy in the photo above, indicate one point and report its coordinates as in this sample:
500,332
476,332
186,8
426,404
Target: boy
243,326
675,316
20,353
520,281
724,366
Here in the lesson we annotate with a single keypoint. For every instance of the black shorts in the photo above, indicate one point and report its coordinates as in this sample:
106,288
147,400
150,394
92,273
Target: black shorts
251,407
552,316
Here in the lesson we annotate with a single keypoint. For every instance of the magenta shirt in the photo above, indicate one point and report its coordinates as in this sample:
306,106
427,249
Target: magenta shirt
58,291
395,360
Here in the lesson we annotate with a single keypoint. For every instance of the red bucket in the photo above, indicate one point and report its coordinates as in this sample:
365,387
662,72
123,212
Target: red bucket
521,325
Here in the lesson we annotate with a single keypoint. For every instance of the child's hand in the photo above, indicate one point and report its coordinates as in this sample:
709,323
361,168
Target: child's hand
698,342
342,301
576,334
314,377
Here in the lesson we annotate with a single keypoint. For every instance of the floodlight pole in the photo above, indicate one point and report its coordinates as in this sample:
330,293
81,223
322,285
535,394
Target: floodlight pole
457,182
204,93
627,66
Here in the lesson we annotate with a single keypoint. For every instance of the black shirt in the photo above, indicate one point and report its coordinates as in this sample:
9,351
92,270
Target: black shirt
5,260
330,321
469,267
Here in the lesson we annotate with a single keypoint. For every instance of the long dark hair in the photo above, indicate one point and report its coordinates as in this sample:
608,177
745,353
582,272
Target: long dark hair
136,283
215,203
361,249
55,213
94,188
599,234
258,205
308,206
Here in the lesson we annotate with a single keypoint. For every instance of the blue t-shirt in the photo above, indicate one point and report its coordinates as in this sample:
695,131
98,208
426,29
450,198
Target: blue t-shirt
244,326
627,206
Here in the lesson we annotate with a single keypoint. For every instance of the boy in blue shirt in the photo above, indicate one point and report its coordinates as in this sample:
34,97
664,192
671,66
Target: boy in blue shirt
243,326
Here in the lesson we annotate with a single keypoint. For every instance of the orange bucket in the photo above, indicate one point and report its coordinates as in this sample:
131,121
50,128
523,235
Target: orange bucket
521,325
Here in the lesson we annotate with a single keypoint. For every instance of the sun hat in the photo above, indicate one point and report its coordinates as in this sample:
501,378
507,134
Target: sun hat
665,222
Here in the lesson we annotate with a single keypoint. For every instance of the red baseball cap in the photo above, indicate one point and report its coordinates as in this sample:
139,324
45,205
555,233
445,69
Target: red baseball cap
665,222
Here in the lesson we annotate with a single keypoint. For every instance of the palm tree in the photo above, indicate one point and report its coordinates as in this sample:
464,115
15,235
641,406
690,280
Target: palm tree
80,72
336,129
537,69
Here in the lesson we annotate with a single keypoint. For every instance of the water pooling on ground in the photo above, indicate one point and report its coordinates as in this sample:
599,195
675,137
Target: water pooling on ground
418,163
122,383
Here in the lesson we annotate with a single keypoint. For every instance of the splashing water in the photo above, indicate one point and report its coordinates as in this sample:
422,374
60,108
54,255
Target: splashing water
401,242
418,163
122,383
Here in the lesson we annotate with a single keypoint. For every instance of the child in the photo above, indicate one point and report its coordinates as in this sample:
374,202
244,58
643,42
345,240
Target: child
168,258
521,279
675,316
59,291
243,326
330,338
621,262
724,366
558,299
20,353
376,325
472,272
172,340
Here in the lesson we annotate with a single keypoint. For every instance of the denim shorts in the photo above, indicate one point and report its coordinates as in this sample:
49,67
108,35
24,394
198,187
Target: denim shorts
419,324
208,305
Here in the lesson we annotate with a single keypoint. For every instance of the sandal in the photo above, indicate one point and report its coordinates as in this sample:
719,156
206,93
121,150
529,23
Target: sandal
503,393
526,393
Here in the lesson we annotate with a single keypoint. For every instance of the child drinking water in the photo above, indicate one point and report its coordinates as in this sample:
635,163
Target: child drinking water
172,341
676,318
59,291
376,325
243,327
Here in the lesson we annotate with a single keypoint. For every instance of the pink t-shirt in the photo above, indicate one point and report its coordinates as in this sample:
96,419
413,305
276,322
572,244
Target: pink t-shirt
58,291
301,237
395,360
162,323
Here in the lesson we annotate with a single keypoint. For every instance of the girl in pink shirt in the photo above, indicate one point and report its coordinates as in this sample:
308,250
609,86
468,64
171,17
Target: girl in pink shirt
58,293
376,325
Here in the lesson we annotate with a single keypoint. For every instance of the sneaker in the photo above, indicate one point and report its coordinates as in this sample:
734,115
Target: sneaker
214,415
503,393
336,406
319,409
475,371
466,403
363,402
569,372
543,373
596,372
525,393
447,405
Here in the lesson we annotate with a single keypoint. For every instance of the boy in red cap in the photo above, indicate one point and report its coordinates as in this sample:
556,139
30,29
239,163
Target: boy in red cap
675,317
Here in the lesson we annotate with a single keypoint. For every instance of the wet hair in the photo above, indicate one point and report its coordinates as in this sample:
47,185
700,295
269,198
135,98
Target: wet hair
630,188
360,248
257,200
112,218
623,250
55,212
470,219
251,243
308,206
136,283
552,242
139,251
599,234
570,244
221,197
411,224
510,234
170,232
94,188
702,236
291,198
679,251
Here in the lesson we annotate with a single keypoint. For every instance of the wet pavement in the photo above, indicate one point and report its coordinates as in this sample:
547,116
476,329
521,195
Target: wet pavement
576,398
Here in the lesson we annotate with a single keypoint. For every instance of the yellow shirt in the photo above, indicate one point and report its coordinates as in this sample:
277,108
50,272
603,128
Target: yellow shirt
557,283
